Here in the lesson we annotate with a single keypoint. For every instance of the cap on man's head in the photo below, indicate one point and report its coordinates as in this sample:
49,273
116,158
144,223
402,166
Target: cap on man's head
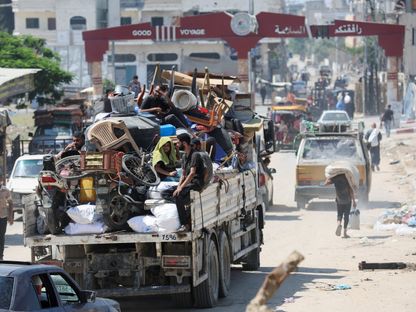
196,141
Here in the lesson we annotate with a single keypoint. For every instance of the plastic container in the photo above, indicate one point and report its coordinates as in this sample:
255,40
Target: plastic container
167,130
87,192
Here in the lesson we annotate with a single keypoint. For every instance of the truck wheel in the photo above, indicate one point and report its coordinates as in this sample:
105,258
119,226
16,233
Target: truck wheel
182,300
225,266
206,293
252,262
117,213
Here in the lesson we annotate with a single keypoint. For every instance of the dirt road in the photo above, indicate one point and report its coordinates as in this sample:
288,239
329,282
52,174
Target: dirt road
330,260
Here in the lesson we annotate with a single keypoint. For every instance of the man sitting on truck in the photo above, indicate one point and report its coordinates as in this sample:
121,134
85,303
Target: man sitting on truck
160,105
194,177
74,148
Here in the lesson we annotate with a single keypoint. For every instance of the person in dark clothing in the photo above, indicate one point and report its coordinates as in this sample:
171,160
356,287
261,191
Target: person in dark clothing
193,178
387,118
209,144
263,92
107,102
160,105
344,198
135,86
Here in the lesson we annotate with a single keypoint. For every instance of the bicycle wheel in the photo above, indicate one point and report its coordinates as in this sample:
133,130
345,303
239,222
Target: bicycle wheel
70,167
145,174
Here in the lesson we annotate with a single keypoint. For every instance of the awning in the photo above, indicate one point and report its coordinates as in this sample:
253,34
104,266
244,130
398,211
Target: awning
14,81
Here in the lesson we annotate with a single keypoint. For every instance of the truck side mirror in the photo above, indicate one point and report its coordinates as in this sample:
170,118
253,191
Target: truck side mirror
30,134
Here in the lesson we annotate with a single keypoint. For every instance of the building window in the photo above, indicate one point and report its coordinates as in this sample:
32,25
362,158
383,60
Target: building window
125,21
78,23
157,21
32,23
51,23
206,55
162,57
131,4
122,58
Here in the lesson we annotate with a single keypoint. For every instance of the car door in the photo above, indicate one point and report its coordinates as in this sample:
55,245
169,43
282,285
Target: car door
69,294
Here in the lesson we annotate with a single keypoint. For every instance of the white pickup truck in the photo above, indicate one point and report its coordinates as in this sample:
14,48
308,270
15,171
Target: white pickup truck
194,267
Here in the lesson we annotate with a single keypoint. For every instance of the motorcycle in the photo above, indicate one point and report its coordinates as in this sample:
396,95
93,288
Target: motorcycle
52,199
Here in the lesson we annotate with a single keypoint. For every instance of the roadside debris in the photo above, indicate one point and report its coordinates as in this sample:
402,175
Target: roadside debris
394,162
402,221
342,287
289,300
382,266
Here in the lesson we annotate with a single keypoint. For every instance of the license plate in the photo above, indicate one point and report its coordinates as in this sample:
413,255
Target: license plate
169,237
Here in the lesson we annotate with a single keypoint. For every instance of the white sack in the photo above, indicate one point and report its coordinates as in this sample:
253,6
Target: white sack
155,192
167,218
143,224
82,214
347,168
94,228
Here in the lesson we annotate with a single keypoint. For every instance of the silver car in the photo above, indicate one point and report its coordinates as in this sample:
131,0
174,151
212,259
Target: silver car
37,287
334,121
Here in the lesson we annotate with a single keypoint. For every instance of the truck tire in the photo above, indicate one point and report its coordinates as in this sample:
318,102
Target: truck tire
252,261
117,213
182,300
225,266
206,293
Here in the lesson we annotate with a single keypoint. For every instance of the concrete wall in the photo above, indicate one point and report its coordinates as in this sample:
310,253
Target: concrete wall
409,58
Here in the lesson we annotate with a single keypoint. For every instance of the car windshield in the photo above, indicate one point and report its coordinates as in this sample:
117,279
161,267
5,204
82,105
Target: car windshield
54,131
6,289
332,149
335,116
28,168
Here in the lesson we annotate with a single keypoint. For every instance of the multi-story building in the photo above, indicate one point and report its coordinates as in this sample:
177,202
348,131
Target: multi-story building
61,23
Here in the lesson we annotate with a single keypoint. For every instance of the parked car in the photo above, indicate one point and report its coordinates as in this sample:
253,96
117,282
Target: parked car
334,121
51,138
318,150
30,287
24,178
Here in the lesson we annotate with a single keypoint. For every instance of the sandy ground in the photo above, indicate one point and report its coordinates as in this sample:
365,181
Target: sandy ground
330,260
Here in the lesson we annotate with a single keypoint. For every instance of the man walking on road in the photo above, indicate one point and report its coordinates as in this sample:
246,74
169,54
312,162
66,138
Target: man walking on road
344,197
373,137
6,215
387,118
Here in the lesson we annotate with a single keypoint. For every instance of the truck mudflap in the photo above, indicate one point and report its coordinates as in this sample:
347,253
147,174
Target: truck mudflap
143,291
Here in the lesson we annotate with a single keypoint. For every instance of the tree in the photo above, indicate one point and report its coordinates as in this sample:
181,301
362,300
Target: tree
30,52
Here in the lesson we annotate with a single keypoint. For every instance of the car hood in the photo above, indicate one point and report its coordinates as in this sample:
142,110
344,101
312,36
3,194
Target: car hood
107,302
23,185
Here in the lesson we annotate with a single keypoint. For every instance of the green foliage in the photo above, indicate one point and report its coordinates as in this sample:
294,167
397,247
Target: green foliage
108,85
31,52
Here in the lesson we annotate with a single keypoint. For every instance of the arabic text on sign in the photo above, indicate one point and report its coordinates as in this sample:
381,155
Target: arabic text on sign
288,30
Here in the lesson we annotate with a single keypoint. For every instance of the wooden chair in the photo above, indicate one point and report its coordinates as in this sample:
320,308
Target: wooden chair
215,115
102,132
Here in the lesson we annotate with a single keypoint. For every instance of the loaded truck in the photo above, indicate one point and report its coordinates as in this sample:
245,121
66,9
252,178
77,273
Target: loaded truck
227,220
